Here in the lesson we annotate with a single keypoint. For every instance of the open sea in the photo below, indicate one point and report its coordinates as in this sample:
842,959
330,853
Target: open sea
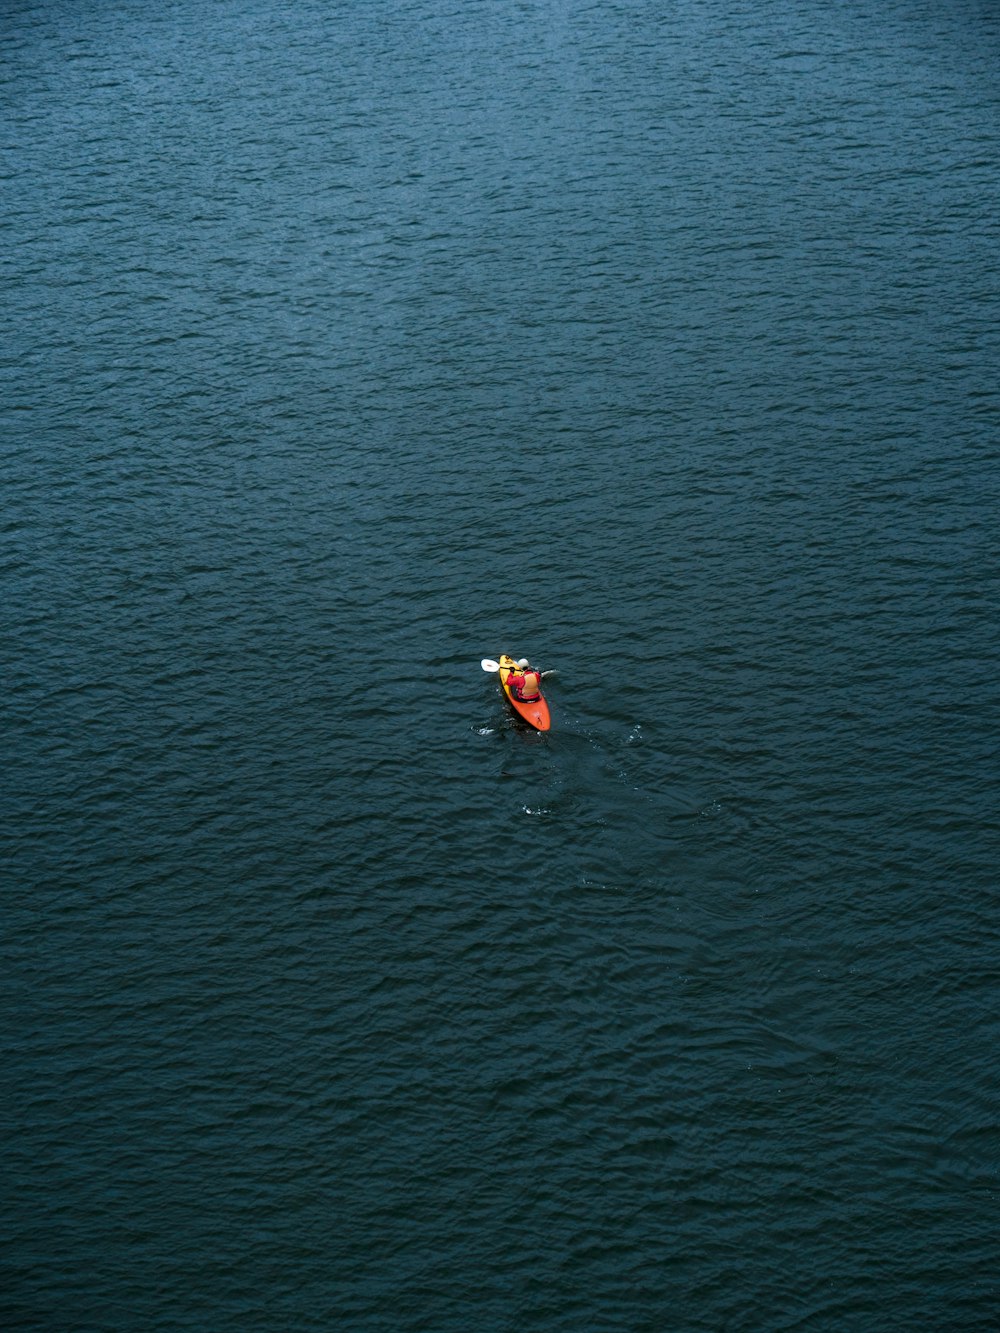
344,343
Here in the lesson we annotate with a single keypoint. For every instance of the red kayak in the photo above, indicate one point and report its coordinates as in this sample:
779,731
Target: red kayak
534,711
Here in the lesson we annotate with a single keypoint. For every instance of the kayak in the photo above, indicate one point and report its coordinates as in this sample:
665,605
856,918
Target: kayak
537,711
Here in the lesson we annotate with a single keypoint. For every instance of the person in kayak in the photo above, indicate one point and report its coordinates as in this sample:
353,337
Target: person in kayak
525,682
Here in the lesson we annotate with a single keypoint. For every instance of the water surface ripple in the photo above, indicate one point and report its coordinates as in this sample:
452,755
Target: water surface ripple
347,344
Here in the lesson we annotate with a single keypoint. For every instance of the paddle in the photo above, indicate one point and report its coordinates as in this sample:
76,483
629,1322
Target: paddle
489,665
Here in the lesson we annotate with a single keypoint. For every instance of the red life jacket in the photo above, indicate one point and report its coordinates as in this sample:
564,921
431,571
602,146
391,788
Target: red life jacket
516,683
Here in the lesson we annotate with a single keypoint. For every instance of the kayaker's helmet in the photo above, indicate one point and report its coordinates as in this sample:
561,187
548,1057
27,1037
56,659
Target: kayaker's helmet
523,663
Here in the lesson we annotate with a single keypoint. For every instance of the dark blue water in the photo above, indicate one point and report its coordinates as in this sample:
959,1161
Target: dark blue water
345,345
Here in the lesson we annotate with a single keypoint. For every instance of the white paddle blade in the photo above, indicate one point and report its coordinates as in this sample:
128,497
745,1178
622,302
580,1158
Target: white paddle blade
489,665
